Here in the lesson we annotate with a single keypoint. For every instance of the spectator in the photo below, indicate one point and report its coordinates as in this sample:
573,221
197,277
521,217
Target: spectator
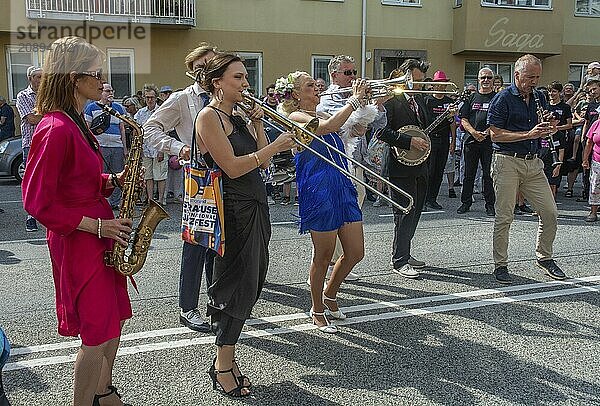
562,112
592,148
165,92
7,120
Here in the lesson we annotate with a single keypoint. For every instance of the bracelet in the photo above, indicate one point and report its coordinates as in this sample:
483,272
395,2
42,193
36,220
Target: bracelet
99,231
256,158
354,102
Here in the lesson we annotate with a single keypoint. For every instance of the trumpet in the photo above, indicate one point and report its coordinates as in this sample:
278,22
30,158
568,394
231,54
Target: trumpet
391,87
304,135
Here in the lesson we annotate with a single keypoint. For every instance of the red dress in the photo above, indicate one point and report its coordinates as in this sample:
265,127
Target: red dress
63,182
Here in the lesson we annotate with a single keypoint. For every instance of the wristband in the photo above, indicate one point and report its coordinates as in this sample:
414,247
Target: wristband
354,102
256,158
99,231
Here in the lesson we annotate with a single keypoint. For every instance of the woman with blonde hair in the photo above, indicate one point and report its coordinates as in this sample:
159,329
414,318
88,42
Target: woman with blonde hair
65,189
327,198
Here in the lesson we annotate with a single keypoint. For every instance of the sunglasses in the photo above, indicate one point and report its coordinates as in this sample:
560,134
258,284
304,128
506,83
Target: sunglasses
486,77
349,72
97,74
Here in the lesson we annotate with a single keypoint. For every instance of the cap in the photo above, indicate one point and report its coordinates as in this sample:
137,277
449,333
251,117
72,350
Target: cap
166,89
594,65
32,70
440,76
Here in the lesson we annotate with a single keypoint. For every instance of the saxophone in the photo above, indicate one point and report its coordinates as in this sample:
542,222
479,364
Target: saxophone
129,264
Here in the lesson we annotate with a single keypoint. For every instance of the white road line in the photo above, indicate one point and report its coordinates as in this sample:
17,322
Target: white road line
11,201
283,223
22,241
14,366
301,315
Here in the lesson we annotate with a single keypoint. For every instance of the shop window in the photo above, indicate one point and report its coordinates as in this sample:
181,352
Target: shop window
18,59
253,63
587,8
121,70
503,69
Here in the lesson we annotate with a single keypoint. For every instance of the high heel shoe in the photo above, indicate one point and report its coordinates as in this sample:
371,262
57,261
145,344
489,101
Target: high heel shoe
335,314
112,390
236,392
242,379
328,327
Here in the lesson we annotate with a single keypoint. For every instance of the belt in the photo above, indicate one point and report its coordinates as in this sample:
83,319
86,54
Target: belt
516,155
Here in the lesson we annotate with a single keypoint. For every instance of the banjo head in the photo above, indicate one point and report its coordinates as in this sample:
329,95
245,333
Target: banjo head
412,157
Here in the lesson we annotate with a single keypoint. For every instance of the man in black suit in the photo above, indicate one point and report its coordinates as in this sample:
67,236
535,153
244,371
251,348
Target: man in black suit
406,109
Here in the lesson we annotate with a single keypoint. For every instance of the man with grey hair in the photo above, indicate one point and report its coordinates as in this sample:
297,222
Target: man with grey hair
477,146
29,120
516,133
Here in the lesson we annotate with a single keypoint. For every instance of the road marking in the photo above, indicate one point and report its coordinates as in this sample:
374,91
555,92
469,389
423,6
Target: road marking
304,327
137,349
22,241
423,212
11,201
283,223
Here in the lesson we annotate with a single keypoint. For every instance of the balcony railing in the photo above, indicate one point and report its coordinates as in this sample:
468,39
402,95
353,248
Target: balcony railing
171,12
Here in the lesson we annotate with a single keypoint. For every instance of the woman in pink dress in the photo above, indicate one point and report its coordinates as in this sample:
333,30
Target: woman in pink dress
65,189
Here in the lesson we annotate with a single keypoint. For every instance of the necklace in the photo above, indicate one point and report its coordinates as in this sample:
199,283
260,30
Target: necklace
309,112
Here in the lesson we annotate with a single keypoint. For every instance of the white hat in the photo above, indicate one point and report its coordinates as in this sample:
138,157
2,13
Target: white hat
32,70
594,65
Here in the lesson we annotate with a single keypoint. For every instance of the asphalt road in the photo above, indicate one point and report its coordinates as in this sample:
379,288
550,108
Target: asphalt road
452,337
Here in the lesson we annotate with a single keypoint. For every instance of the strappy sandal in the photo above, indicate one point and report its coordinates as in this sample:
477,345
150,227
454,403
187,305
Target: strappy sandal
112,390
242,379
328,327
335,314
233,393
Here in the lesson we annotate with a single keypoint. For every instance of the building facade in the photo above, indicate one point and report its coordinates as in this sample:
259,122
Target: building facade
145,41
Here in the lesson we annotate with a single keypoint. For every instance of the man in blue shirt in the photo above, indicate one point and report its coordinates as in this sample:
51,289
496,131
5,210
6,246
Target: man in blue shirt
516,132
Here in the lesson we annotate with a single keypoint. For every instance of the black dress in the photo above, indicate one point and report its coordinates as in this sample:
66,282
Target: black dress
238,276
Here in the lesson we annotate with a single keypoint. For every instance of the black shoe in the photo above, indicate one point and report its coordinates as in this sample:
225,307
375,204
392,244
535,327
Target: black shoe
517,210
526,209
451,193
434,205
463,208
31,225
582,199
490,211
170,195
235,392
457,183
112,390
502,276
569,193
194,321
552,270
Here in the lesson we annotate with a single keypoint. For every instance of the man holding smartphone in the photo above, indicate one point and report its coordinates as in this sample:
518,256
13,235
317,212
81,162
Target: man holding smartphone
516,133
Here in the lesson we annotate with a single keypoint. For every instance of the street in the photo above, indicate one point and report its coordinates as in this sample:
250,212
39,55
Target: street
452,337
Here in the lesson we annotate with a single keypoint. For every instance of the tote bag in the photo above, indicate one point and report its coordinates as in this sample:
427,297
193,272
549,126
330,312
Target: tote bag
202,220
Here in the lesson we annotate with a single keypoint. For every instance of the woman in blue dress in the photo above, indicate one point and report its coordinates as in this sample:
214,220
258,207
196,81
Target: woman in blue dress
328,202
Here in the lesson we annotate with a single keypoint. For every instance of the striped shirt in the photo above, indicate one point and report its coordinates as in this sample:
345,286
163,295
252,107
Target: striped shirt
26,106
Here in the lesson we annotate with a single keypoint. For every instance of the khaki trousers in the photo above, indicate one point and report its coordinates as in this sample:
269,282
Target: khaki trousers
510,175
362,193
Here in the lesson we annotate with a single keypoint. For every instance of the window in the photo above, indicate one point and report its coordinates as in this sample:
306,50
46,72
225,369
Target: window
319,67
503,69
253,62
545,4
457,3
577,72
401,2
587,7
121,70
18,59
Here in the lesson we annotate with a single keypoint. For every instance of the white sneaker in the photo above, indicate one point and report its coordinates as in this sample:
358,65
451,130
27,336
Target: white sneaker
377,202
270,200
407,271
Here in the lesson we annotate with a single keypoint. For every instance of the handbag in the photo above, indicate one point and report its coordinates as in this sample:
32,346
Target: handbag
202,220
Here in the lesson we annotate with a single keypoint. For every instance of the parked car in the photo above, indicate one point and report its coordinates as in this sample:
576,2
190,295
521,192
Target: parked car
11,158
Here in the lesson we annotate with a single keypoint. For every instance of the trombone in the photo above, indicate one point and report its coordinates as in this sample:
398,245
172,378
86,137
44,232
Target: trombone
391,87
304,134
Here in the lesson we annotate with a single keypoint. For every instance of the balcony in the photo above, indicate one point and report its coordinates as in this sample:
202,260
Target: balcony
164,12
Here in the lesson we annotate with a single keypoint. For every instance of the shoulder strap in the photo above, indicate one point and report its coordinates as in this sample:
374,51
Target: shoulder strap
216,110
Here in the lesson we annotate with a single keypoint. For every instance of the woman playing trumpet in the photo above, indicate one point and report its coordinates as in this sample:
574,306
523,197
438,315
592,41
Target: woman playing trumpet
327,198
239,149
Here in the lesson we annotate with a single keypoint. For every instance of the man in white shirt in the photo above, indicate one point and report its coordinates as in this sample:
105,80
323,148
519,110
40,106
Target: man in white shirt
179,112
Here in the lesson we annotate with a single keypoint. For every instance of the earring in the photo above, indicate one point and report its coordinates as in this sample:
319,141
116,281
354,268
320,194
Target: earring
219,95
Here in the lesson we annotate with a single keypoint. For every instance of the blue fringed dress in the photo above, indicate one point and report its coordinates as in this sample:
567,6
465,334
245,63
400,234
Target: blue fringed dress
327,198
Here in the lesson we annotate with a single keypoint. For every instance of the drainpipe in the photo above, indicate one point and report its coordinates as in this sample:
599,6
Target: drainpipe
363,40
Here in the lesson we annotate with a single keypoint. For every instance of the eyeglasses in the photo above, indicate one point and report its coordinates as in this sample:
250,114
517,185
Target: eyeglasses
349,72
486,77
149,97
97,74
270,94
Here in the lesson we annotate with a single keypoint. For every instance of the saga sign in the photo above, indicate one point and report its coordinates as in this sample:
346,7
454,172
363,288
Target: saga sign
498,36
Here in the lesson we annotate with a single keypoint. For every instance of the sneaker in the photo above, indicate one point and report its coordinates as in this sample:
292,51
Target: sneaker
415,263
517,210
31,225
270,201
170,195
552,270
591,218
526,209
569,193
451,193
194,321
296,203
163,202
457,183
377,202
285,201
463,208
502,276
407,271
490,211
